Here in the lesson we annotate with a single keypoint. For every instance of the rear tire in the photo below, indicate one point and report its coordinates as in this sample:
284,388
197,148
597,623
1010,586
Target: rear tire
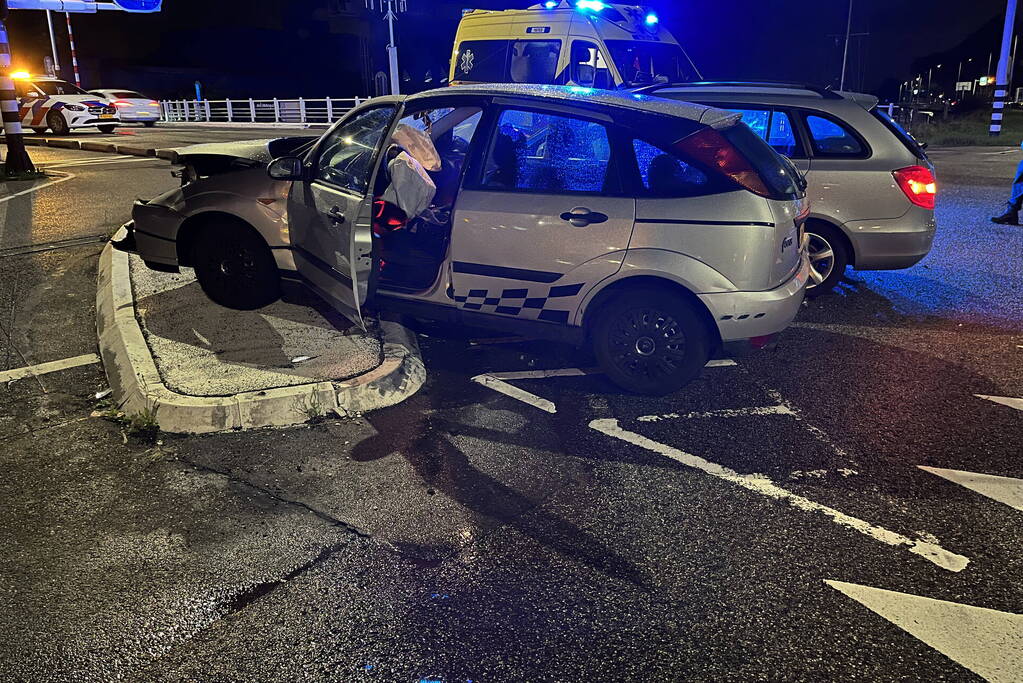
149,124
234,267
828,258
650,341
106,129
57,123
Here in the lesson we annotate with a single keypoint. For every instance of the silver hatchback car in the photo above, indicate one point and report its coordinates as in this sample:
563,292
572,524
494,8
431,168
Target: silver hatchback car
871,187
661,234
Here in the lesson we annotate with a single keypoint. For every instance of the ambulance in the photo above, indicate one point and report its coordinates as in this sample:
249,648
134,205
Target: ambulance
585,43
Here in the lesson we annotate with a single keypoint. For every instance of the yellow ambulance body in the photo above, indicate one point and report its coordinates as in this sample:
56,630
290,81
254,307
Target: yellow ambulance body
585,43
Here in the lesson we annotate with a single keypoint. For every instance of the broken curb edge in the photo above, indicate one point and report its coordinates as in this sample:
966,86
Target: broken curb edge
137,386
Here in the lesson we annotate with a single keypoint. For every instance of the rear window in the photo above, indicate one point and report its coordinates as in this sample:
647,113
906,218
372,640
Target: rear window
776,171
128,95
508,61
901,133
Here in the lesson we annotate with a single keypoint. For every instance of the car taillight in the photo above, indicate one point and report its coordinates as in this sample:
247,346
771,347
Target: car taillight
918,184
712,149
154,103
121,103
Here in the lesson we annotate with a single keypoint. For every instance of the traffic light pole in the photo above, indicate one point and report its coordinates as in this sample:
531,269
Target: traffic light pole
18,162
1002,76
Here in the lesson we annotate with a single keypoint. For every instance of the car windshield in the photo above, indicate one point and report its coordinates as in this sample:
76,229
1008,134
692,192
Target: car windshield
58,88
640,63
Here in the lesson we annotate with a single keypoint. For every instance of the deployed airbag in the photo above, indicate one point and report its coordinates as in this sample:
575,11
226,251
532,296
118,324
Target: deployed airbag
419,145
411,189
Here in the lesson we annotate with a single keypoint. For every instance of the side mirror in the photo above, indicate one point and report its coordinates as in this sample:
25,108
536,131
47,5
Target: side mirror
286,168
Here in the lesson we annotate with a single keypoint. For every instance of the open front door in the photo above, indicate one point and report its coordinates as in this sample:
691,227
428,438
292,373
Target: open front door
330,214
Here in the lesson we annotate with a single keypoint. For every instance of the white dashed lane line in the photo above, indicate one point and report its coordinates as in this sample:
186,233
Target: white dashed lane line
762,485
1003,489
1016,403
987,642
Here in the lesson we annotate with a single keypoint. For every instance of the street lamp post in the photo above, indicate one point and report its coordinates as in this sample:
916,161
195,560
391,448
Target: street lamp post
53,43
845,51
1002,79
390,8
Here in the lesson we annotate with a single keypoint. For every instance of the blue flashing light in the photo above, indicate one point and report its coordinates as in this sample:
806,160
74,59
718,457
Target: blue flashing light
581,91
652,19
551,4
593,5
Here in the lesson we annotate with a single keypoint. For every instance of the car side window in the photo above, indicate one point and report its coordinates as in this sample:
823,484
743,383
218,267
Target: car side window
550,154
831,138
347,154
667,175
775,127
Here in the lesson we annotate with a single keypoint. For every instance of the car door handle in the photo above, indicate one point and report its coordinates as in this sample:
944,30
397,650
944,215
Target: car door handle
580,217
336,215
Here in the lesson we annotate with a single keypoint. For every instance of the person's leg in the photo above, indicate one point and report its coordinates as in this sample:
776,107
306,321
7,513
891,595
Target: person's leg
1012,207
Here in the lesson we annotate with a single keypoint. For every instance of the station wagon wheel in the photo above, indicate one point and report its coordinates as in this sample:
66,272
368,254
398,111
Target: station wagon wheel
234,266
650,341
828,258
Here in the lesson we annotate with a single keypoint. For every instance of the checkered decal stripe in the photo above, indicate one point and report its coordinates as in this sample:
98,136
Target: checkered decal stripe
537,305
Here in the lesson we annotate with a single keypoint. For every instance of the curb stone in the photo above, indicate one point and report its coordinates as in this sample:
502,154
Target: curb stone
137,385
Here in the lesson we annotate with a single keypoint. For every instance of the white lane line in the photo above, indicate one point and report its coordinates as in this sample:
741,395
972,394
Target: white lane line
543,374
821,435
1016,403
721,363
1003,489
9,197
52,366
131,160
495,381
759,483
87,160
725,412
987,642
502,387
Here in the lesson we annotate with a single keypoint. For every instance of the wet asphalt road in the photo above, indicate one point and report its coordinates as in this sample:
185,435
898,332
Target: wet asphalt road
466,535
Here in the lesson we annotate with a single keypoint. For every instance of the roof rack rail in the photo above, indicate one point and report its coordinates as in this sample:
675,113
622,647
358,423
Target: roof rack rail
825,92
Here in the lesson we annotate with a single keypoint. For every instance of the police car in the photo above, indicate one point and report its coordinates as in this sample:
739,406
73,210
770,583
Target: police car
52,104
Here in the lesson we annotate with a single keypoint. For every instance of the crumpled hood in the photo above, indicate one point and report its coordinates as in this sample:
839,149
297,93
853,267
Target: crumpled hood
257,151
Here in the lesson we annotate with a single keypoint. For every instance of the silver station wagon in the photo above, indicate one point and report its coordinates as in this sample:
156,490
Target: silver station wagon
872,188
660,233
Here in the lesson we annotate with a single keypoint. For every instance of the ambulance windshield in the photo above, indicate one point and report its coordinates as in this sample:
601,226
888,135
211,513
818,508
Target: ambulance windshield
643,62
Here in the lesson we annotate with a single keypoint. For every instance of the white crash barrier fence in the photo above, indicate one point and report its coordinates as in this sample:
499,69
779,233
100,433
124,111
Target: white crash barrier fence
301,110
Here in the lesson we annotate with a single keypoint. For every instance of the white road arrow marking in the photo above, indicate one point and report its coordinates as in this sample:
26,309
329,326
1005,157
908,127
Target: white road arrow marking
1016,403
758,483
1003,489
987,642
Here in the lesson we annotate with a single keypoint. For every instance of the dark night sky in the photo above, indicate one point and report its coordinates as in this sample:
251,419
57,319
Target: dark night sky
734,39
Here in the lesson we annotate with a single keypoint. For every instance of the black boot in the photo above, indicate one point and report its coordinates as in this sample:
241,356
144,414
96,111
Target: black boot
1010,217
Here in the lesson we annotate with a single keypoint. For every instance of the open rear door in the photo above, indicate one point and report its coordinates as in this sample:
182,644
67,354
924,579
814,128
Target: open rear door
330,214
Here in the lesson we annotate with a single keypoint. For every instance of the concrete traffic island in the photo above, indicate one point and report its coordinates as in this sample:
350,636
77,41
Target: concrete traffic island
201,368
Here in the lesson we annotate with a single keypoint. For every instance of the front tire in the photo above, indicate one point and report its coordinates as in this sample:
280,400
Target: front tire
235,268
650,341
57,123
107,130
828,258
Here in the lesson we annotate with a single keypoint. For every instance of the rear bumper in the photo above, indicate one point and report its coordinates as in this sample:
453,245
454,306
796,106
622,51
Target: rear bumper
892,244
751,319
127,116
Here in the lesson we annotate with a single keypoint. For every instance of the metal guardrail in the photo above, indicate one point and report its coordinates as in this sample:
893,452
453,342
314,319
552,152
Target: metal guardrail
301,110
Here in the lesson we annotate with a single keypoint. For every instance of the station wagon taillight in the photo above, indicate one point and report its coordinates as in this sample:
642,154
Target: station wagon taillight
919,185
713,149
